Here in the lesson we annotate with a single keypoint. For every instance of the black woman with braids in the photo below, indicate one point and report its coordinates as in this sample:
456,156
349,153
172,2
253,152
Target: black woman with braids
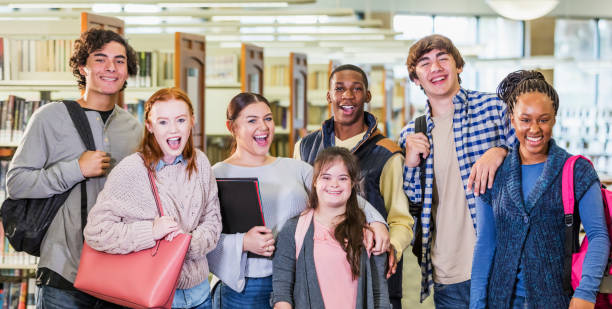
519,253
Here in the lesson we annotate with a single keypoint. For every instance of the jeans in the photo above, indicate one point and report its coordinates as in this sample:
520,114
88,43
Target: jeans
518,302
452,296
256,295
54,298
207,304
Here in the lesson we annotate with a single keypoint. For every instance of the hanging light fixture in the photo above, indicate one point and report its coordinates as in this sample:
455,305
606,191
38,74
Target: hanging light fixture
522,9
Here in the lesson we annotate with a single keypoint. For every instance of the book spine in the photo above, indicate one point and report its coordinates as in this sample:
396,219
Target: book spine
31,297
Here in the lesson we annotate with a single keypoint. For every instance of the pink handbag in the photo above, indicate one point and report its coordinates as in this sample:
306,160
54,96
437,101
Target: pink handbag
143,279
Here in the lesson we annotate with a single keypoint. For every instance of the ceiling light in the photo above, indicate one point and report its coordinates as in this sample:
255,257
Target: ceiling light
226,5
49,5
522,9
106,8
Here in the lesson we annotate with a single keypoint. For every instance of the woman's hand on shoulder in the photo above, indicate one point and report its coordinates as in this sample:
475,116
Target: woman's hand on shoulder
578,303
259,240
163,226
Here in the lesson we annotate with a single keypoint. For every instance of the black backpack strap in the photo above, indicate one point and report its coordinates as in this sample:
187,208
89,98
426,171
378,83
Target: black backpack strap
420,126
415,209
77,114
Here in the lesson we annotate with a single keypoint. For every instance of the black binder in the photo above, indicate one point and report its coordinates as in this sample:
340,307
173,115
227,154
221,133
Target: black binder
240,204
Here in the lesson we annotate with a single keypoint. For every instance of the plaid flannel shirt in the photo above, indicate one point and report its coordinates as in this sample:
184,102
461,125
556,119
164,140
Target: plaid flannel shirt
479,123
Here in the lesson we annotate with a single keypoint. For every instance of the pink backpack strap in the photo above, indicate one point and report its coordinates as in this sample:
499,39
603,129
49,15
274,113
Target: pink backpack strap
567,186
300,230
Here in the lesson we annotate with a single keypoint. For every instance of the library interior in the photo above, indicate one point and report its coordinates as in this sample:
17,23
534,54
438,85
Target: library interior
286,49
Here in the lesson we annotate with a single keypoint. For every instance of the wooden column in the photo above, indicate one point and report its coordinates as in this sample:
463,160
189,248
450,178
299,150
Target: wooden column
251,68
298,71
189,75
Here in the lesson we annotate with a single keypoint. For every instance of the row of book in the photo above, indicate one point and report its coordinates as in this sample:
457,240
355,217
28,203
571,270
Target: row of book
18,292
144,77
28,56
277,75
318,80
15,112
280,114
136,109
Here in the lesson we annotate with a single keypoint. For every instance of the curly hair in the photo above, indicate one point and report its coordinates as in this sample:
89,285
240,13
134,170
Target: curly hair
427,44
93,40
349,232
523,81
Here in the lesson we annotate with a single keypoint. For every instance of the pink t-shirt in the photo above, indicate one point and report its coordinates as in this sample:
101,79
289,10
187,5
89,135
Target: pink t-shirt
338,288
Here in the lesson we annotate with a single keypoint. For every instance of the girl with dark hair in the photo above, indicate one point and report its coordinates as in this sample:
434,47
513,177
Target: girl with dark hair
519,254
246,279
125,217
321,261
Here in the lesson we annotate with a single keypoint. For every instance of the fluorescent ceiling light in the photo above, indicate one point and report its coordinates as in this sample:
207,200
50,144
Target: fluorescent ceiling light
226,5
49,5
106,8
235,13
142,8
30,18
522,9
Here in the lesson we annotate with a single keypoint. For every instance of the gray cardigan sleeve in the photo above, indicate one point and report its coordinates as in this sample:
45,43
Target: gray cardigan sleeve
379,281
283,276
33,173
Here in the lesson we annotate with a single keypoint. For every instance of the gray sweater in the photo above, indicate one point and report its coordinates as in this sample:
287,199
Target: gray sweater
46,163
284,186
295,281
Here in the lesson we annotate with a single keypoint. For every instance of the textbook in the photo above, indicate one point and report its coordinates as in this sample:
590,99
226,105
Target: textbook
240,204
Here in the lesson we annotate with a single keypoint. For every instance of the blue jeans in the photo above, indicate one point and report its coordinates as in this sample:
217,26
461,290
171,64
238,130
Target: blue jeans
518,302
54,298
256,295
207,304
452,296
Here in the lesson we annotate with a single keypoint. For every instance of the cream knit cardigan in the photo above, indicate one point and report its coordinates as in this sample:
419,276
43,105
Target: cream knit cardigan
121,221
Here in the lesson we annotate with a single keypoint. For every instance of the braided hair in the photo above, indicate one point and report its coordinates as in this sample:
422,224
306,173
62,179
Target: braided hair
523,81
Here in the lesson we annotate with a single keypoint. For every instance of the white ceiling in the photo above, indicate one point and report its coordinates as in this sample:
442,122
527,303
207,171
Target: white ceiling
566,8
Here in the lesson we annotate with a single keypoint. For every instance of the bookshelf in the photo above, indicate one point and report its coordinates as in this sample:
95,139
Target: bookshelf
189,75
251,68
333,64
298,98
229,71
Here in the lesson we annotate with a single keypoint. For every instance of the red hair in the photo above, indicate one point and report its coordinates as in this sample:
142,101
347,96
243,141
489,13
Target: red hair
150,150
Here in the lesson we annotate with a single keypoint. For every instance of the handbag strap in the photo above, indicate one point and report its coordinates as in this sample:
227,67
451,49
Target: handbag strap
155,193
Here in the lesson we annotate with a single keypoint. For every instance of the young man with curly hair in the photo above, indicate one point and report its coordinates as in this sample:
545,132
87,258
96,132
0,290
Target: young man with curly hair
52,159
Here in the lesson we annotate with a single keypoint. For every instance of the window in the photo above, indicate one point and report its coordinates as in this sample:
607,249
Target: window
500,38
461,30
413,27
574,86
605,35
575,38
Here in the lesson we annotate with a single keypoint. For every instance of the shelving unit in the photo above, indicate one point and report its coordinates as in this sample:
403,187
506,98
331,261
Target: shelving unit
298,98
189,75
229,72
